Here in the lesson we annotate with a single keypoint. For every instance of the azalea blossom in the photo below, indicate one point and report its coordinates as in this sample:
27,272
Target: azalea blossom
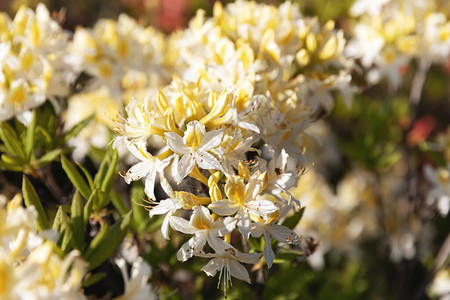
136,285
194,147
205,229
146,168
271,230
226,260
243,201
165,207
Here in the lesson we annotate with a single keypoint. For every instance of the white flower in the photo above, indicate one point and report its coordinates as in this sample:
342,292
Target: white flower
194,147
279,232
226,261
165,207
243,201
440,193
205,229
146,168
136,286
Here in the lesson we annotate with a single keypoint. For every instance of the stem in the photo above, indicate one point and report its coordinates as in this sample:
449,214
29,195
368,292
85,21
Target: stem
49,181
418,83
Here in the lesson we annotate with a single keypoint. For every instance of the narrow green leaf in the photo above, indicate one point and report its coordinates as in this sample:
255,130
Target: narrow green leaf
293,220
11,141
87,175
92,279
77,128
140,215
29,140
102,248
101,173
48,157
118,203
88,206
75,177
31,198
13,159
9,166
78,221
101,200
108,179
66,231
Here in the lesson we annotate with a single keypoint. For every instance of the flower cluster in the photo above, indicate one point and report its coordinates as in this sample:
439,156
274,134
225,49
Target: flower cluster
391,33
30,268
32,62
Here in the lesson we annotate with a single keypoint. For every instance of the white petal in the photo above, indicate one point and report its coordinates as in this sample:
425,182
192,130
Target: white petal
211,140
239,271
207,161
244,224
175,143
185,166
213,266
224,207
162,208
257,229
165,228
189,248
283,234
269,255
166,187
182,225
224,226
248,258
150,184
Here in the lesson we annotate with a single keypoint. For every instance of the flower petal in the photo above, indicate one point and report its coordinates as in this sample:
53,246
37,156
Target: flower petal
224,207
185,166
175,143
207,161
182,225
237,270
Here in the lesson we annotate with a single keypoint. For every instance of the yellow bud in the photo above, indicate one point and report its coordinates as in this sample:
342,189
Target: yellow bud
311,42
14,203
214,178
329,25
303,57
329,48
170,122
215,193
217,9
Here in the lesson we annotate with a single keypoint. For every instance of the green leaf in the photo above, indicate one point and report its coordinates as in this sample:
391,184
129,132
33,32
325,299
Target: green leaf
87,175
101,173
101,200
118,203
92,279
10,167
75,177
13,160
63,225
108,179
89,205
11,141
78,221
77,128
107,241
140,215
293,220
29,140
31,198
48,157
